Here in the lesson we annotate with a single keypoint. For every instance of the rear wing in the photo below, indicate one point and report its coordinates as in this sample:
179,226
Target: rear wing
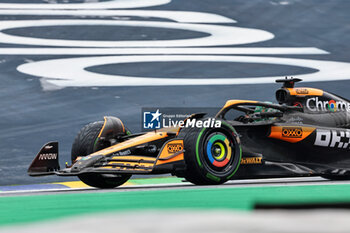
46,161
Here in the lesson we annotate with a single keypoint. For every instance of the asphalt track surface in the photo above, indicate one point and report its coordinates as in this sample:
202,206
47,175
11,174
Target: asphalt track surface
36,110
272,182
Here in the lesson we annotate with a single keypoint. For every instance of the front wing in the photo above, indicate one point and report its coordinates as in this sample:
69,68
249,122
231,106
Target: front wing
169,159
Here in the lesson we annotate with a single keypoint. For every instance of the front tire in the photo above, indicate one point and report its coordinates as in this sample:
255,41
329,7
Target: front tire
212,155
85,144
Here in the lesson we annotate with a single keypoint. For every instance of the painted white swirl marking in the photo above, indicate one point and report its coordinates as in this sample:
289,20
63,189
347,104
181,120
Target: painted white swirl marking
71,72
112,4
219,35
178,16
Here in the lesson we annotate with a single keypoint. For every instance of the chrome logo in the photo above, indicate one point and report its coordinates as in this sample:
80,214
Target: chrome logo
332,106
314,104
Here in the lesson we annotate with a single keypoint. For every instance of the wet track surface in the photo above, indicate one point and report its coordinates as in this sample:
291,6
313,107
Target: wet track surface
37,110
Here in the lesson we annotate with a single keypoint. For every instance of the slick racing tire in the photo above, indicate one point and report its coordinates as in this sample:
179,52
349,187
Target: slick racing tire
212,155
83,145
336,177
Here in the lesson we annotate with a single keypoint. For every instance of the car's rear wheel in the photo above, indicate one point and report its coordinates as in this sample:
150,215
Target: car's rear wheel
212,155
336,177
85,144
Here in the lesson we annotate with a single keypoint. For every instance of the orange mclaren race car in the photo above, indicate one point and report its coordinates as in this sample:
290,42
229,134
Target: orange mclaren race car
307,133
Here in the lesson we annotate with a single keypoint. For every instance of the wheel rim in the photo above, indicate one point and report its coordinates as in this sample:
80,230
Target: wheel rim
218,152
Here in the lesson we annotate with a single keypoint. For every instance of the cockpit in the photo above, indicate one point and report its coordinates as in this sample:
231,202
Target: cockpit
252,112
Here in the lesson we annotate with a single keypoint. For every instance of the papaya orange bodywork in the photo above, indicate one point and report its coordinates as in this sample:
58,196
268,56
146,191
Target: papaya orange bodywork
169,149
305,91
148,137
234,102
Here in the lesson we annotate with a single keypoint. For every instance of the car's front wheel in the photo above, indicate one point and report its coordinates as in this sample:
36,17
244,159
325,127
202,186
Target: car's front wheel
84,144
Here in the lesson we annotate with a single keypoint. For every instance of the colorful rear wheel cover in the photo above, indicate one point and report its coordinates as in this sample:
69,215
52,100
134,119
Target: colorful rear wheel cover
218,151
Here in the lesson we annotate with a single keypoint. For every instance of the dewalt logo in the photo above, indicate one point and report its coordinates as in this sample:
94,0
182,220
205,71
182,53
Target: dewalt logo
292,132
252,160
174,147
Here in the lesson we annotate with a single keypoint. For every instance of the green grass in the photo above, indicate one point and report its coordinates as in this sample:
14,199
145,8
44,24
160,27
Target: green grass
21,209
162,180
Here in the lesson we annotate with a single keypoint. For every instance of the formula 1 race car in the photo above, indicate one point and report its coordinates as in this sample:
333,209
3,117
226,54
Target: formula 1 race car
306,134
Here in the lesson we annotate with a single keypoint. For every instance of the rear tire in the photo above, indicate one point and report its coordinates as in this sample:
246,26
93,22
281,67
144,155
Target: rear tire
336,177
85,144
212,155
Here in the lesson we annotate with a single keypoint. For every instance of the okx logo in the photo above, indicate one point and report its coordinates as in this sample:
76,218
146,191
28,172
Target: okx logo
292,132
152,120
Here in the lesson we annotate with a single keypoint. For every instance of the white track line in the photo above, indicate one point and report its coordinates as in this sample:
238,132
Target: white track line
131,51
112,4
217,34
179,16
